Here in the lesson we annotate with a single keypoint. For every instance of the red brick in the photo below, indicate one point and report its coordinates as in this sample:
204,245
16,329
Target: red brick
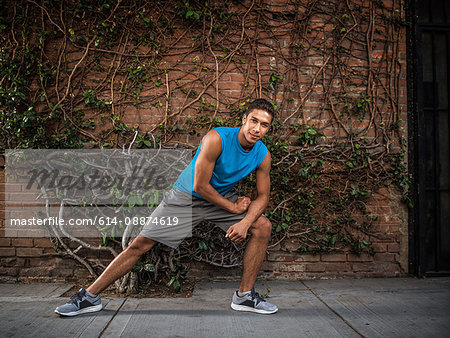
267,266
384,227
315,267
382,202
360,267
41,271
22,242
384,257
337,267
278,256
44,261
29,252
42,243
11,187
6,252
391,267
363,257
393,247
291,267
231,86
334,257
379,210
23,197
5,241
62,272
382,237
237,77
12,261
379,247
387,3
48,250
308,258
355,62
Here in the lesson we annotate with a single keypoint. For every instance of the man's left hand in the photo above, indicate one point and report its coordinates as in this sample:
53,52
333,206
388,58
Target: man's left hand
237,232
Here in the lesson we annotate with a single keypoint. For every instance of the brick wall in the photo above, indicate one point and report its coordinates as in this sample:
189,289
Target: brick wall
302,97
34,259
390,243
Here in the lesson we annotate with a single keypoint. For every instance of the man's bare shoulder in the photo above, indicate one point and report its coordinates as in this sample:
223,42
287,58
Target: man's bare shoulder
211,144
212,135
266,163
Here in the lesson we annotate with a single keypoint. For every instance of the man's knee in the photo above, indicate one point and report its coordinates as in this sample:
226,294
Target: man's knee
262,228
141,245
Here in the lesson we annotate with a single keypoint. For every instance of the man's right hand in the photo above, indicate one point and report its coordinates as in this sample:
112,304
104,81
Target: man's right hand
241,205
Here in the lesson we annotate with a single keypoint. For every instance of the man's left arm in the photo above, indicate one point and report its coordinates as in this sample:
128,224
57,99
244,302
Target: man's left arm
238,231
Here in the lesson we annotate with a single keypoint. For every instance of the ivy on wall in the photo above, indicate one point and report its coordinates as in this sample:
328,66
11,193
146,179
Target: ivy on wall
73,74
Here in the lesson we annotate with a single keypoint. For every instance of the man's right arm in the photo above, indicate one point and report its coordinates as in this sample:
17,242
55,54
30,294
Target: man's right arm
210,151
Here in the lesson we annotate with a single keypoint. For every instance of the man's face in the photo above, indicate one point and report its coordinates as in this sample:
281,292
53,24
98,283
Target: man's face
255,125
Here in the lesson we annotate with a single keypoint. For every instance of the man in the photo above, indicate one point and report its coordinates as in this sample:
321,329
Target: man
225,156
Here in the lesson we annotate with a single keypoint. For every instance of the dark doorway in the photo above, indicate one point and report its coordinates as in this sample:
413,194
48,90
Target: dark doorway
433,156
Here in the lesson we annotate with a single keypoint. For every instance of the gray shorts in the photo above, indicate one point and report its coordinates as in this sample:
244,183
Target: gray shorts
179,212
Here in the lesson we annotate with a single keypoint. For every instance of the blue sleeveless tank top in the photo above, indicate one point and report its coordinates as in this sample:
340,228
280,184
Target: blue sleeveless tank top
233,164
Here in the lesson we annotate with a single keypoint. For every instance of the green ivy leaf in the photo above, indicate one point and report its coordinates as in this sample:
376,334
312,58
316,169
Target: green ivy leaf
149,267
173,279
176,286
131,201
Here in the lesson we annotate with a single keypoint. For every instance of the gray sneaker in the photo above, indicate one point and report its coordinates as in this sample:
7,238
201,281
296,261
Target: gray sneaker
80,302
252,302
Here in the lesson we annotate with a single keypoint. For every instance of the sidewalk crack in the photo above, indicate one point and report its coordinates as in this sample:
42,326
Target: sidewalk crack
112,318
332,310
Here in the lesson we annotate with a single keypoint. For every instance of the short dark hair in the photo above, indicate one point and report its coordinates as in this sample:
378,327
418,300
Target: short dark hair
261,104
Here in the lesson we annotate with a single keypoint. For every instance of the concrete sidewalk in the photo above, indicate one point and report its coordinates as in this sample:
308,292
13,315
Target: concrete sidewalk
397,307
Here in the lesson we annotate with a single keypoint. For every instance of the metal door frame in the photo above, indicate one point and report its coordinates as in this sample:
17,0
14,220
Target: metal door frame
417,229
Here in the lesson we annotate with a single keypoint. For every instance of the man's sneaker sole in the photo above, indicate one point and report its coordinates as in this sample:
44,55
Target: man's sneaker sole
89,309
238,307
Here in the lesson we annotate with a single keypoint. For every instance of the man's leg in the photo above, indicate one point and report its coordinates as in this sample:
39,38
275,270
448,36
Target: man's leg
122,264
255,252
246,298
85,301
176,204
